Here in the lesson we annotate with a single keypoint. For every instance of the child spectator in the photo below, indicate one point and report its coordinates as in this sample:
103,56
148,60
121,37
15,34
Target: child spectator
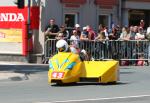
84,34
60,36
75,39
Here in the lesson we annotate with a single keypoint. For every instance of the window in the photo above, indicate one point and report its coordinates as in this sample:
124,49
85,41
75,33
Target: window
71,19
136,15
104,20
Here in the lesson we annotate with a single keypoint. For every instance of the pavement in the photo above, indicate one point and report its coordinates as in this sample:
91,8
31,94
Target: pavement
18,63
5,75
7,70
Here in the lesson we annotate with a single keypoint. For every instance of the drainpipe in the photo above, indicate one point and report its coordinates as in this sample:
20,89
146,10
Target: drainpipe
120,12
28,19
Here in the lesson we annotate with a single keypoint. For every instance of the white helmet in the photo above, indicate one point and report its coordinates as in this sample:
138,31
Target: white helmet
62,45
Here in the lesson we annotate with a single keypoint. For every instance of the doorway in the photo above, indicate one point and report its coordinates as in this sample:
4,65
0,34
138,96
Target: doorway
136,15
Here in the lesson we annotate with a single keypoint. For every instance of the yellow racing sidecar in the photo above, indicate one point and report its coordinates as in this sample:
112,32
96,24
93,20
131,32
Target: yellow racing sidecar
66,67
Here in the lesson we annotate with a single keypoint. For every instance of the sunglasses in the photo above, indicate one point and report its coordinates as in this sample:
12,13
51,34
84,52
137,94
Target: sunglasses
60,36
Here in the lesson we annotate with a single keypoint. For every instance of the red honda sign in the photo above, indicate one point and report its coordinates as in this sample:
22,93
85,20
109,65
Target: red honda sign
12,17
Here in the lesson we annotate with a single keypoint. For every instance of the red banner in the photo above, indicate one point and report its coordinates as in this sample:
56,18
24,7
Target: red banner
12,17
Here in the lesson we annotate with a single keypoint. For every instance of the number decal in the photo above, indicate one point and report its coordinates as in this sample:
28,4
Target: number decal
58,75
54,74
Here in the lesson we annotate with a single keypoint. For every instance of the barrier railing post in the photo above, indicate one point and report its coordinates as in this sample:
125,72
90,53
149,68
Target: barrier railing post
112,49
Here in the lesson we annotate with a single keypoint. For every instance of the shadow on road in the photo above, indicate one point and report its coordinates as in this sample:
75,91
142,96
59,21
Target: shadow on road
87,83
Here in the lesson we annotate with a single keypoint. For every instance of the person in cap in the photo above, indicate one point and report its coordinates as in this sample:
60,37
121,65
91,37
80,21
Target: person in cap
77,28
84,34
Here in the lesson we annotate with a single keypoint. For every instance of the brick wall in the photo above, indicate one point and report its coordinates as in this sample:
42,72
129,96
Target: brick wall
73,1
106,3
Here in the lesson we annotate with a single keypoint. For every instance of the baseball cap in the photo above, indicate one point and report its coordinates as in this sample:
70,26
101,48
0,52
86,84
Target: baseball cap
84,28
77,25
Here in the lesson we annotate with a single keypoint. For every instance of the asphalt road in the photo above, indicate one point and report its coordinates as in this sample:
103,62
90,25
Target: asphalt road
133,87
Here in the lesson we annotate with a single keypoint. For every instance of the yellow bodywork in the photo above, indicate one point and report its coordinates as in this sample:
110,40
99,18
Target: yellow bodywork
105,71
67,68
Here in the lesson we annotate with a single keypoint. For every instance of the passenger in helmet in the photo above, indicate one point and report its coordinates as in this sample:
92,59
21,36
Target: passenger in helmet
63,46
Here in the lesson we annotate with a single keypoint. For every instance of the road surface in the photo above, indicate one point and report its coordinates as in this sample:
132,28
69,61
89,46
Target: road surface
133,87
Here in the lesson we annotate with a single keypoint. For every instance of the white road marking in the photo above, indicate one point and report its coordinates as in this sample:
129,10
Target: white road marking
100,99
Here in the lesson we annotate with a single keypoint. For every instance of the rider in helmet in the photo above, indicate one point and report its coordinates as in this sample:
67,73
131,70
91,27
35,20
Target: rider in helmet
62,45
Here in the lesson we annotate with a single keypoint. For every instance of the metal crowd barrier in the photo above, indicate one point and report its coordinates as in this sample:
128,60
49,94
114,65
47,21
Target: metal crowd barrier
132,50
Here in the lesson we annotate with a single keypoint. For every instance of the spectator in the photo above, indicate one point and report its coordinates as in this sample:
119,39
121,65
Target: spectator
77,28
101,37
91,33
60,36
84,34
125,34
142,24
140,35
118,31
100,28
100,46
132,44
64,31
51,29
132,33
68,22
125,48
105,29
75,39
112,35
135,30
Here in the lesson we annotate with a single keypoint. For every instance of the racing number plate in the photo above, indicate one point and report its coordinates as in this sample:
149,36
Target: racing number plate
58,75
